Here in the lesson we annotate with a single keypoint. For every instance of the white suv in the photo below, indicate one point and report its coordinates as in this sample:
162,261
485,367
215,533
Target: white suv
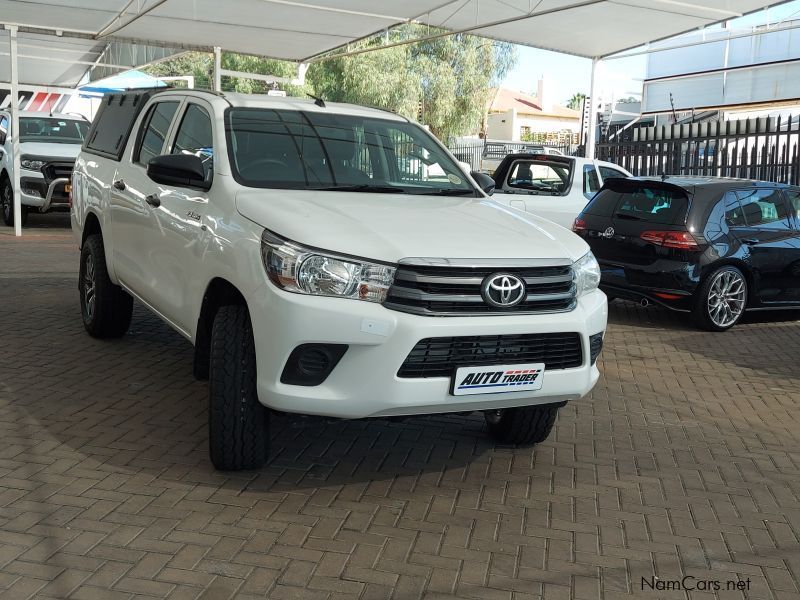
316,272
48,146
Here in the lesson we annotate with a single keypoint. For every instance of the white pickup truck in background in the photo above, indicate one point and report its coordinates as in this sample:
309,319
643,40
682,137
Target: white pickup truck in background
48,146
550,186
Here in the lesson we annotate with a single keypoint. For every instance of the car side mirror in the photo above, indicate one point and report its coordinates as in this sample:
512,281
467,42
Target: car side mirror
182,170
3,137
486,183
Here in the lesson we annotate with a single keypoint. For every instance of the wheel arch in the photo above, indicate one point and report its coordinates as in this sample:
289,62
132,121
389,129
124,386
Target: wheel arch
91,226
740,264
219,292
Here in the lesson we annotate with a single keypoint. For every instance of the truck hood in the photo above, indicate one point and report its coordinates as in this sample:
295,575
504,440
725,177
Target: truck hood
45,150
390,227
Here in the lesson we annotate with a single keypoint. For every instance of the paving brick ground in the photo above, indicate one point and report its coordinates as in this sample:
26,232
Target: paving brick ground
684,461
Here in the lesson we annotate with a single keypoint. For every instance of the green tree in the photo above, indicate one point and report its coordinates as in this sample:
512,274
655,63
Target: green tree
198,64
444,82
576,102
201,66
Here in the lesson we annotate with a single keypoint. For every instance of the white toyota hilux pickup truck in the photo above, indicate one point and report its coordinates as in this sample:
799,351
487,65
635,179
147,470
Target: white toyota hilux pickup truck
316,270
48,145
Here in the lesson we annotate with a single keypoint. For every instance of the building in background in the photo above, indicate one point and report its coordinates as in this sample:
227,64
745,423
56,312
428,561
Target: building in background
725,74
516,116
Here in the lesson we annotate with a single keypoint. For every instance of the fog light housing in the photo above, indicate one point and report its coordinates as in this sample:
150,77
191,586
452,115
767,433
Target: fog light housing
310,364
595,346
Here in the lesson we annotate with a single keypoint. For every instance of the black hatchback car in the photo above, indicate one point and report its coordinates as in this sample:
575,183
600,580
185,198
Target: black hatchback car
711,247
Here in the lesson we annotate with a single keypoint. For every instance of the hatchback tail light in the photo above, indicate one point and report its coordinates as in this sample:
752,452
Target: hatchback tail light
671,239
579,225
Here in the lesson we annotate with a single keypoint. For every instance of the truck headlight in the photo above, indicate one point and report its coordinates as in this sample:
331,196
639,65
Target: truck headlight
587,273
31,164
301,270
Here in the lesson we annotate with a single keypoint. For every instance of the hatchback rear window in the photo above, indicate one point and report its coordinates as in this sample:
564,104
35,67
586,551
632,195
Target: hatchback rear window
653,204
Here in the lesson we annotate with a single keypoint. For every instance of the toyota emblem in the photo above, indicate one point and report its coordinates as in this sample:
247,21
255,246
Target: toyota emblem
503,290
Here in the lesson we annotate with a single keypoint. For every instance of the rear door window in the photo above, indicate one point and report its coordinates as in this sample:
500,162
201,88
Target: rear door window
763,208
151,143
734,215
794,203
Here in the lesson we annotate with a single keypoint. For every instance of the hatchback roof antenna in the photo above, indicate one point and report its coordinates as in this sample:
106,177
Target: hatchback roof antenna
317,100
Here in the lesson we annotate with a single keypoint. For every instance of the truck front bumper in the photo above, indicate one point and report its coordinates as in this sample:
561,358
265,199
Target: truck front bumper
37,193
365,382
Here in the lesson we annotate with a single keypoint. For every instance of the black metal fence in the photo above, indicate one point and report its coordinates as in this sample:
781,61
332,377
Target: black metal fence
760,148
475,152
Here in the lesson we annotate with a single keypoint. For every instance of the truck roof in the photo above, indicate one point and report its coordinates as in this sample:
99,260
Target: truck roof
307,105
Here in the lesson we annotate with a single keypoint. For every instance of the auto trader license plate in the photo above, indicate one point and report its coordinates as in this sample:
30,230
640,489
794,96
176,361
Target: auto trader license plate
498,378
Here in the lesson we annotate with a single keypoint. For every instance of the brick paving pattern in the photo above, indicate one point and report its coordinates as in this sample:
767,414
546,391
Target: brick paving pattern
685,460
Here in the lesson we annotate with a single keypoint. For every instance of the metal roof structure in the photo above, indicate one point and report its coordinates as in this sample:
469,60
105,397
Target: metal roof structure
299,31
60,42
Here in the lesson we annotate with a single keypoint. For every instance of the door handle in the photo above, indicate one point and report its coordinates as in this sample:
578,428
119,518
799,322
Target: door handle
750,241
153,200
119,184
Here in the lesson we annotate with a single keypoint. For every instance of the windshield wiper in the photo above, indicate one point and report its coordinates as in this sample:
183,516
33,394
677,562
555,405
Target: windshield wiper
449,192
362,187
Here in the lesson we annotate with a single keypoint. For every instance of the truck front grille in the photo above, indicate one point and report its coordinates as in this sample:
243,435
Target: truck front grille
57,169
456,290
439,357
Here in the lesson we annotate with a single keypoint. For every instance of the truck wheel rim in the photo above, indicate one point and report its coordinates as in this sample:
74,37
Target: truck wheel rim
6,202
88,287
726,298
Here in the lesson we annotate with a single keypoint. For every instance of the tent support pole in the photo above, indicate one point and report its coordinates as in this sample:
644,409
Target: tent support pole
592,127
15,181
217,69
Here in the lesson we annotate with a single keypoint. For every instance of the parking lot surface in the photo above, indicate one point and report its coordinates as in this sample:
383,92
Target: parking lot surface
681,469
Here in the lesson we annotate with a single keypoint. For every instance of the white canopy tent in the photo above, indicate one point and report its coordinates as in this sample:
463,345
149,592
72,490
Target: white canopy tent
301,31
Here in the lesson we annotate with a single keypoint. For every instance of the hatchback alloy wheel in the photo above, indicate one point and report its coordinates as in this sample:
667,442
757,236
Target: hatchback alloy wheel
726,298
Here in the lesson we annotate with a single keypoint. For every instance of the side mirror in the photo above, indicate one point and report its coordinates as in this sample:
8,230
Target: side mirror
3,137
183,170
485,182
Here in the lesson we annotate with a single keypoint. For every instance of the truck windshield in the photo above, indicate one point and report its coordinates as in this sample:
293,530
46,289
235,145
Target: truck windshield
311,150
52,130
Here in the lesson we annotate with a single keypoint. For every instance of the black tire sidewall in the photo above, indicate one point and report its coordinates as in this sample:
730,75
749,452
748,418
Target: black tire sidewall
524,425
238,422
113,305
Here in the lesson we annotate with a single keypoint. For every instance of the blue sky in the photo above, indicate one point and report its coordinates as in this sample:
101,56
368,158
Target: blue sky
567,75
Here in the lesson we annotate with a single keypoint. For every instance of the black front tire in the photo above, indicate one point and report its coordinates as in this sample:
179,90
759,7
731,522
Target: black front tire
7,202
522,425
702,312
238,424
106,308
